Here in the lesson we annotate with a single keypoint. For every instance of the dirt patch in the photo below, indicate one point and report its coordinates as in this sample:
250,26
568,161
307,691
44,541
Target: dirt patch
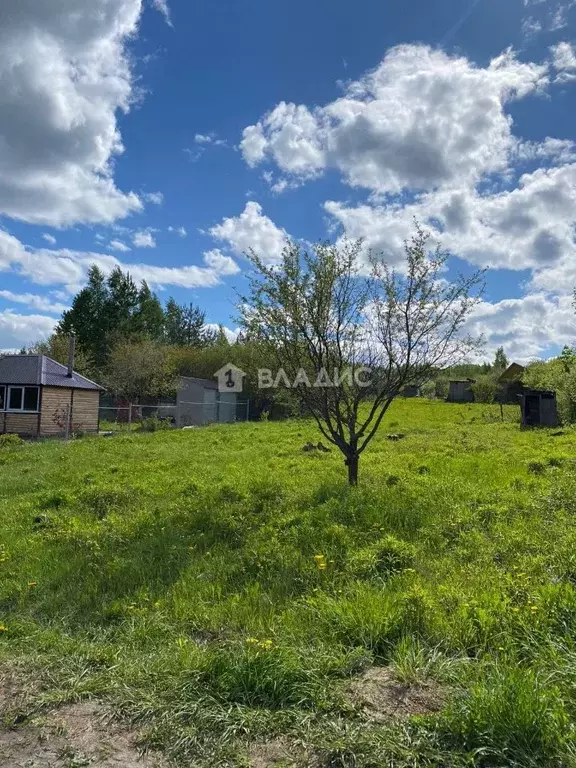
276,753
383,698
74,736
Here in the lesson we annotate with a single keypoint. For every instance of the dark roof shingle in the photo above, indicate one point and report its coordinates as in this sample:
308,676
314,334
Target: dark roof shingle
41,370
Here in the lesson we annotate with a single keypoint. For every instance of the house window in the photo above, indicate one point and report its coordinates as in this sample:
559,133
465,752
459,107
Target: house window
2,398
22,399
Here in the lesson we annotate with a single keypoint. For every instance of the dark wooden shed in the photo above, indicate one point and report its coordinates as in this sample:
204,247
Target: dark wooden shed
538,408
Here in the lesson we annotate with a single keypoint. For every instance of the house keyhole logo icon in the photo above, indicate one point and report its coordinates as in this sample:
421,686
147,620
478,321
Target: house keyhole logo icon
230,378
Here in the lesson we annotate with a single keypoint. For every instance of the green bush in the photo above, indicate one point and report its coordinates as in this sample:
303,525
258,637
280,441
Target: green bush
154,424
485,389
10,441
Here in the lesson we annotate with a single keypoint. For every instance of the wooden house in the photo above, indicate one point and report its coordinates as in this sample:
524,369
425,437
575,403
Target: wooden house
42,398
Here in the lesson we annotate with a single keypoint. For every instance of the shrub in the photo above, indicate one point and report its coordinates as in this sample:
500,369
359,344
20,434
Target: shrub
10,441
485,389
154,424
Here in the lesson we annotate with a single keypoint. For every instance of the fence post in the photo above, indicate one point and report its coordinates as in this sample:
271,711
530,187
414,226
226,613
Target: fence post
129,416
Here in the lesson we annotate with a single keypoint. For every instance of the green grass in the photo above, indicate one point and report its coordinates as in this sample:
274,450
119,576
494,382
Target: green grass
219,586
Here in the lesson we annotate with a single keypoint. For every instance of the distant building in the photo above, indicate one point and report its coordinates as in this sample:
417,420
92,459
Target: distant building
459,391
538,408
42,398
199,402
511,384
411,390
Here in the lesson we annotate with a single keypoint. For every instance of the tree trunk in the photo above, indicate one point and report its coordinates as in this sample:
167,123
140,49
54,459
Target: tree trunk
352,464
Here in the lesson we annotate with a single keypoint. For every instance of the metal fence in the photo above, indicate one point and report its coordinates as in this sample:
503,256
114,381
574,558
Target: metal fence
133,416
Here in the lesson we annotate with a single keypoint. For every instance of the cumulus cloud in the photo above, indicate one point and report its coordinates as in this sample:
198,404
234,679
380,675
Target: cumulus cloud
18,330
118,245
157,198
528,227
65,73
33,301
69,268
564,61
221,264
181,231
525,327
144,239
420,120
49,238
252,229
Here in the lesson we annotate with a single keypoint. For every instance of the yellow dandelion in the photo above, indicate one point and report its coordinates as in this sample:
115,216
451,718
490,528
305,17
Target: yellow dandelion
2,628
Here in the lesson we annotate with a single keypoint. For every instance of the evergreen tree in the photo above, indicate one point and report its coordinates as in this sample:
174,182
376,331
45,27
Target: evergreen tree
184,325
500,361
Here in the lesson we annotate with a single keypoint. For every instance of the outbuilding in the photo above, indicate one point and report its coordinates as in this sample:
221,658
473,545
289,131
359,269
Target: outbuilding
199,402
42,398
539,408
460,391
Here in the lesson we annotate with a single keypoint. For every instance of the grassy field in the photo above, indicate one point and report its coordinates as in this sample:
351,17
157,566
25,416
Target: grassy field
228,594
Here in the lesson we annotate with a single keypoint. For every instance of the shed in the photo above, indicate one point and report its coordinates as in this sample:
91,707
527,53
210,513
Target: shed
42,398
460,392
511,385
199,402
538,408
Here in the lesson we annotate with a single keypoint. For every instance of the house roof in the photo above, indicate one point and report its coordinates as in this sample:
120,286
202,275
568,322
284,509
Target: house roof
513,372
41,370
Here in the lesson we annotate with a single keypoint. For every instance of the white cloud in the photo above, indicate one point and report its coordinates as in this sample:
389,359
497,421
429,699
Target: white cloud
228,332
564,61
530,226
69,268
118,245
210,138
157,198
221,264
20,330
252,229
33,301
144,239
65,72
162,7
49,238
179,231
420,120
525,327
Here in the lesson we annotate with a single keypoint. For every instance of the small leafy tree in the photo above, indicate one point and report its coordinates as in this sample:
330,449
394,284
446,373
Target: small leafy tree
140,369
349,341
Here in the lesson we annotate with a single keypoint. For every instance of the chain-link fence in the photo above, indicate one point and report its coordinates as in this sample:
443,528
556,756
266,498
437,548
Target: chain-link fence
133,416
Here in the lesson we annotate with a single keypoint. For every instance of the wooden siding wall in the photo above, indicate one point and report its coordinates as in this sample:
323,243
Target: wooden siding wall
83,403
85,410
24,424
54,405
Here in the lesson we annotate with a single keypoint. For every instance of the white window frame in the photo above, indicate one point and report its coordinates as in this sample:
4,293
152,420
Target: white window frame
23,387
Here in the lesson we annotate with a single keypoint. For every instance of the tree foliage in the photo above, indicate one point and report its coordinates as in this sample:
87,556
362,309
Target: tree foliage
358,339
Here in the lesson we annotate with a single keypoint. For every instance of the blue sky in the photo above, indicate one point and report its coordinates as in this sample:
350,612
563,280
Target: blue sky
169,137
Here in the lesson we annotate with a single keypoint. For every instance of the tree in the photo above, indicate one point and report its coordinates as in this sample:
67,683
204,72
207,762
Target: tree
109,309
57,347
500,361
140,369
184,325
357,340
